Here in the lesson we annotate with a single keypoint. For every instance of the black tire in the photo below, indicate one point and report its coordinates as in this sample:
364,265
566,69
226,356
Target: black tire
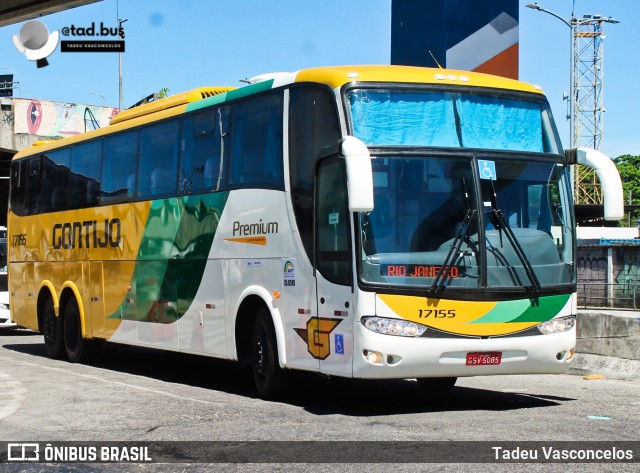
52,331
436,385
78,349
270,380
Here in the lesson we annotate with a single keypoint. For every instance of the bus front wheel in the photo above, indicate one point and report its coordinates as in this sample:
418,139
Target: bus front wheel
269,378
52,331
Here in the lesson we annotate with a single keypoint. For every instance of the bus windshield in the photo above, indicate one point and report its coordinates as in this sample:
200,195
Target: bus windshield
519,233
433,118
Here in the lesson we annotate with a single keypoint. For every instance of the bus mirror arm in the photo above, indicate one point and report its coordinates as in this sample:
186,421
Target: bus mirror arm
359,174
608,176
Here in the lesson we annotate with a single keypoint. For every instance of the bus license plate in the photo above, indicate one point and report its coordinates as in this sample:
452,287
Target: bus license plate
486,358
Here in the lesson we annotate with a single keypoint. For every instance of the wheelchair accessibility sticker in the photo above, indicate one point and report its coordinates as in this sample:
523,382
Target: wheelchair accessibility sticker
339,344
487,169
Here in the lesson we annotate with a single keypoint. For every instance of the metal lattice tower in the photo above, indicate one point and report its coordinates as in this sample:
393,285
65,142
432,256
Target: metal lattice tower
588,103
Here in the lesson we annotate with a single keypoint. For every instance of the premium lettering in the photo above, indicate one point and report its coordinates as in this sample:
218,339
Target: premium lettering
250,229
87,234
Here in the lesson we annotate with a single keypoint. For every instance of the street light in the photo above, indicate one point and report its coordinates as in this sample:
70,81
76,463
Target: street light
572,23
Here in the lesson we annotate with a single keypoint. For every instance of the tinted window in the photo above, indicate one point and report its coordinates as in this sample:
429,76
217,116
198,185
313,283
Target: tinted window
256,143
85,175
157,169
18,186
119,168
313,126
334,255
34,178
201,163
55,180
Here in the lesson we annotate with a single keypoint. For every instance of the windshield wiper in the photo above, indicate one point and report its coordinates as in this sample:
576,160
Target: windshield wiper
500,222
456,244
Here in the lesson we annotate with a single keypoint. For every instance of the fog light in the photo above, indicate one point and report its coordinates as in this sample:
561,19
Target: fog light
373,357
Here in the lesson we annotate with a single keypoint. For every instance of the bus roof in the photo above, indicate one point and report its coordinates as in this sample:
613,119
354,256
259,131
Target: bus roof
341,75
334,76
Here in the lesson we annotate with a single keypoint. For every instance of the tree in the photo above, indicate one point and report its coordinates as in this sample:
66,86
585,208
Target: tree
163,93
629,169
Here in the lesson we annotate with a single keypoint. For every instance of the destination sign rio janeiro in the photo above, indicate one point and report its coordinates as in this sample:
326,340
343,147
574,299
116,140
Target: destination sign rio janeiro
419,270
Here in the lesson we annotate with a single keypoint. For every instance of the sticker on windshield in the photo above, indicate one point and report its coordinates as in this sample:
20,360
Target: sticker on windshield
487,169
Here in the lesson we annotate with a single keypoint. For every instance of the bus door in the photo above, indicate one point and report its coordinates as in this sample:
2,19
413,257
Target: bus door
333,335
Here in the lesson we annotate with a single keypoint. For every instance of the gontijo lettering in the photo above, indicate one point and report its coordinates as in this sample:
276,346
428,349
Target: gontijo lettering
87,234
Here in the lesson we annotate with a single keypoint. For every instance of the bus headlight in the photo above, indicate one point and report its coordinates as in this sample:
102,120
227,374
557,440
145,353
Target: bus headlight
402,328
558,325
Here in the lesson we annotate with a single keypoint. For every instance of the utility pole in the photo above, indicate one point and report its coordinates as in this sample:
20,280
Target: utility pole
120,22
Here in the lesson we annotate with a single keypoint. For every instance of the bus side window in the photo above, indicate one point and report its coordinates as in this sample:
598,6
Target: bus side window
34,186
86,159
200,154
256,143
18,186
120,156
55,180
158,165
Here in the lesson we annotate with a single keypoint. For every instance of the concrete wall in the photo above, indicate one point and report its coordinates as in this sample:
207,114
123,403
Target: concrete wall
25,121
608,343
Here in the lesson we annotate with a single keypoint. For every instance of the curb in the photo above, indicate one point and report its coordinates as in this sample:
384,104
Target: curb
610,367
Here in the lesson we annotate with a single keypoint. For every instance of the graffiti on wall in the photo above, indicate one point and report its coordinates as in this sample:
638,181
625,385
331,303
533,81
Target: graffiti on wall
58,119
626,263
6,119
623,291
592,265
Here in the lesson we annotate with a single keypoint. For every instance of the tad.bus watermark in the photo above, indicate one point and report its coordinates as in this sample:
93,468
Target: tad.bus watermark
36,43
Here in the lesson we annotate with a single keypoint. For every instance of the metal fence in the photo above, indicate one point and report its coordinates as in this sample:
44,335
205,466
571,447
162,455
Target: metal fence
610,295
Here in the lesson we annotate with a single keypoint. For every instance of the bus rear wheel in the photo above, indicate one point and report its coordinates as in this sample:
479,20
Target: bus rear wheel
269,378
52,331
77,348
436,385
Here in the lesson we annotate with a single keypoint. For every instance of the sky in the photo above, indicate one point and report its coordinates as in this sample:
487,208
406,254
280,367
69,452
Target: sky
185,44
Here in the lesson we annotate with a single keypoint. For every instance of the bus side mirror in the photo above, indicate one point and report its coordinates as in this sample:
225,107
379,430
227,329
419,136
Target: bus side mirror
608,176
359,174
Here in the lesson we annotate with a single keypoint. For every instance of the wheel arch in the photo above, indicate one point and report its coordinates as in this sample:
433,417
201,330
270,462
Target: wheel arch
69,290
251,301
47,291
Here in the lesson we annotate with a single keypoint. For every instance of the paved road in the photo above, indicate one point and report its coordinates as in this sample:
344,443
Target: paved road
137,394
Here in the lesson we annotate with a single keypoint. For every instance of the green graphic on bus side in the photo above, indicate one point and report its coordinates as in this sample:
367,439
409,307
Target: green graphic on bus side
172,257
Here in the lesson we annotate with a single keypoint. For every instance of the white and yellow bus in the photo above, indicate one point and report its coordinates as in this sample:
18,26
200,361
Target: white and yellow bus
365,221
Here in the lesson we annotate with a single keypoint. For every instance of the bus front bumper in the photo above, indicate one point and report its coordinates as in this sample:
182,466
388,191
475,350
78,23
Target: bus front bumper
382,356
